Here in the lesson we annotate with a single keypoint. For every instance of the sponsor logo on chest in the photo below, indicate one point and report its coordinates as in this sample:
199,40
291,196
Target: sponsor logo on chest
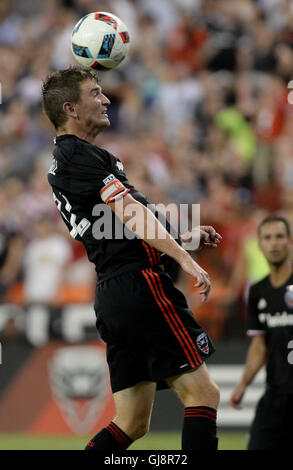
276,319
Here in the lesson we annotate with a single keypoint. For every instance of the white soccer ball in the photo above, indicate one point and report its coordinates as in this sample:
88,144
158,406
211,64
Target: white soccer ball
100,41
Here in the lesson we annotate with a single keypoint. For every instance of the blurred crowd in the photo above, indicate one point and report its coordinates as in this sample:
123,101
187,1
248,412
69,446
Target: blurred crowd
199,113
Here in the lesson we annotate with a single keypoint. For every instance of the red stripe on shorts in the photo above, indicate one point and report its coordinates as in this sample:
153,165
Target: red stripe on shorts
148,274
180,325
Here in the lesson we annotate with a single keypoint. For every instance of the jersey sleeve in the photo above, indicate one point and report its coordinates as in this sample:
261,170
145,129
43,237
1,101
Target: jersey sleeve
87,175
254,326
113,189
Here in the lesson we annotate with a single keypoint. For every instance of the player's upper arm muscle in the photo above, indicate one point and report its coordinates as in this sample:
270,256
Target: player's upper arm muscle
259,339
118,207
258,343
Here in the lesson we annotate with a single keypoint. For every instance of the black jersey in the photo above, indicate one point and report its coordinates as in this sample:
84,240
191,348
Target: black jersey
271,313
84,179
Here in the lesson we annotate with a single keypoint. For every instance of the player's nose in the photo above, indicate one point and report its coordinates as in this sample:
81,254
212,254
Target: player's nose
106,100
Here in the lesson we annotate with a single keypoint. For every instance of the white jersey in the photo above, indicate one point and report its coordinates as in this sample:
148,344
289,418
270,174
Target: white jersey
44,263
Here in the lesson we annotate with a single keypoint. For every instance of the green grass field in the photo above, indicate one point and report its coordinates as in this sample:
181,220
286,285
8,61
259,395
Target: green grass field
152,441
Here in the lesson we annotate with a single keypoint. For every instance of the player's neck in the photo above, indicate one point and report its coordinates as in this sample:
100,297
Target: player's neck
89,136
279,274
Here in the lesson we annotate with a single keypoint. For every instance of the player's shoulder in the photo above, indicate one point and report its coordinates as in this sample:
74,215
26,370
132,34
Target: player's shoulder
71,149
114,161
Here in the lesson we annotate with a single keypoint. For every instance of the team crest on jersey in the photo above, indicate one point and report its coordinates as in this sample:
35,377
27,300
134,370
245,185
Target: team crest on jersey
262,303
120,166
289,296
202,343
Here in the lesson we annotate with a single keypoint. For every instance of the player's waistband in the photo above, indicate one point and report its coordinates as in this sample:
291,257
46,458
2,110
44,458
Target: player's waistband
105,276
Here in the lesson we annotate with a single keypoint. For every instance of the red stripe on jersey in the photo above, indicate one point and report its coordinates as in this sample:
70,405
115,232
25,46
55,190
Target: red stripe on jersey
156,255
148,250
153,254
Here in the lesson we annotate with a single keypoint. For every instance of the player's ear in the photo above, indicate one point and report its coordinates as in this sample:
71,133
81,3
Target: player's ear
69,109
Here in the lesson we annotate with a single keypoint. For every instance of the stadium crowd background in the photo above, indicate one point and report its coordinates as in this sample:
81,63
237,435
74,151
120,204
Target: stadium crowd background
199,114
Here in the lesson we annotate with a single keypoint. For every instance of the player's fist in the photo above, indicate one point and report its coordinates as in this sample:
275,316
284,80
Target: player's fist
204,235
236,397
191,267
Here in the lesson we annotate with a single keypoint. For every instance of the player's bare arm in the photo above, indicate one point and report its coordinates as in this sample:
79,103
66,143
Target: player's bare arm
147,223
256,358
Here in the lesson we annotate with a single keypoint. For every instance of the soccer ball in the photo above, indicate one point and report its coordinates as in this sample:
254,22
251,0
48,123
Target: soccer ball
100,41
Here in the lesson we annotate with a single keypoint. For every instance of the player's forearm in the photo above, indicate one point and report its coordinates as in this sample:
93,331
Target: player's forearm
256,358
149,229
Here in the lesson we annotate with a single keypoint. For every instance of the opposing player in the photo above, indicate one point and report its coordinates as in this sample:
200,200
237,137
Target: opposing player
153,341
270,323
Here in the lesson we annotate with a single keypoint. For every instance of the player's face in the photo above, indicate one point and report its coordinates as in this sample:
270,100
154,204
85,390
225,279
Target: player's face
92,109
274,242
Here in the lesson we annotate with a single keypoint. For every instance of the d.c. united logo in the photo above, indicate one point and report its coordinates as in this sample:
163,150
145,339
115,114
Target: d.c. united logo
289,296
202,343
78,376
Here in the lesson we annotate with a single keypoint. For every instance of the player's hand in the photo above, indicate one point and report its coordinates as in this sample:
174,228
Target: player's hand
205,234
191,267
236,397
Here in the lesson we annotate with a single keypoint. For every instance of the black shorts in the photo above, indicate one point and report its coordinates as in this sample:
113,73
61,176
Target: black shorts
150,332
272,425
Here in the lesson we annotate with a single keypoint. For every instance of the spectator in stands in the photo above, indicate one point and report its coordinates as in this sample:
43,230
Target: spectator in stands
46,259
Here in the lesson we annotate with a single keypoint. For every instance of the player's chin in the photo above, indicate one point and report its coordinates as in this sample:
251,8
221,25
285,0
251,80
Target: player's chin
104,122
277,260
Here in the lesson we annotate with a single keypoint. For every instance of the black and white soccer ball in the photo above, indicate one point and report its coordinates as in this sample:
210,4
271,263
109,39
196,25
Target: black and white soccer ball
100,41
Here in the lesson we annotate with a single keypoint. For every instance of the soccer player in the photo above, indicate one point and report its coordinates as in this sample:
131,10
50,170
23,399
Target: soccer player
153,341
270,324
